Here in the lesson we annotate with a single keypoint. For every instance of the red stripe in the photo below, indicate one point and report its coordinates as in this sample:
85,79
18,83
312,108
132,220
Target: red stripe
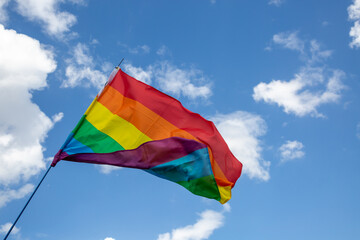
173,111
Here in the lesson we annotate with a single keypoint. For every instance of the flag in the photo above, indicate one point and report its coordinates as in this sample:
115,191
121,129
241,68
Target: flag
131,124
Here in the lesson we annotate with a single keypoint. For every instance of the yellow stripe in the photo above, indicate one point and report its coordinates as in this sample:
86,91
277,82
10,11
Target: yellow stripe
123,132
225,193
91,105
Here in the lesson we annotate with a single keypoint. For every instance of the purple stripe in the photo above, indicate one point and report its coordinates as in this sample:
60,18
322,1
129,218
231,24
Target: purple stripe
59,156
147,155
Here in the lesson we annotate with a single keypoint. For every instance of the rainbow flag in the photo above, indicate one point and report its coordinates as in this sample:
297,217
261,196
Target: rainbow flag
131,124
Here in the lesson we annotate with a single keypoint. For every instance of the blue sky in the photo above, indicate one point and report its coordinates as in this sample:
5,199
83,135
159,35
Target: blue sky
279,78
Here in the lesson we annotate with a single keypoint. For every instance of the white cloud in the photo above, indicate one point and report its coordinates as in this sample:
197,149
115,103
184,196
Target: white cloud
316,54
289,40
354,10
79,2
3,13
310,51
47,12
241,131
358,130
296,95
80,70
144,48
139,73
354,15
180,81
276,2
212,1
24,66
94,41
227,207
57,117
163,50
313,86
8,195
140,49
209,221
291,150
268,48
355,34
81,55
107,169
109,238
173,80
6,227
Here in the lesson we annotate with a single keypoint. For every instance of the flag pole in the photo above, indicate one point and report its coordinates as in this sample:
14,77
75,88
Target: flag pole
27,204
120,62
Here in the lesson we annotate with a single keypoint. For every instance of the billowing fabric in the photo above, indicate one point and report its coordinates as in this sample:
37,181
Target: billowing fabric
131,124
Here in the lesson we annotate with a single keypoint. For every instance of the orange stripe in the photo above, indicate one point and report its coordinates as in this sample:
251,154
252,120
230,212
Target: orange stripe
220,177
148,122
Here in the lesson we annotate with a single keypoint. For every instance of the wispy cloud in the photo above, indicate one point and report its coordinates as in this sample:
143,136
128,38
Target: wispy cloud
139,73
54,21
241,131
209,221
8,195
179,81
358,130
190,83
79,2
301,95
291,150
276,2
109,238
289,40
163,51
80,70
140,49
310,51
6,227
3,13
21,138
354,15
316,54
107,169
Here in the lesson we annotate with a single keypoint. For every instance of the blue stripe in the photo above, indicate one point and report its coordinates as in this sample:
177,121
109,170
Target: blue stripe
74,147
192,166
69,137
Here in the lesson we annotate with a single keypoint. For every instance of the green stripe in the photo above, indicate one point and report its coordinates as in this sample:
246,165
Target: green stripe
79,124
98,141
204,186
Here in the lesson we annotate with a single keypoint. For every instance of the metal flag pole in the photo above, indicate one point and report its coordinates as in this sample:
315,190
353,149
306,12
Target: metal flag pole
120,63
26,204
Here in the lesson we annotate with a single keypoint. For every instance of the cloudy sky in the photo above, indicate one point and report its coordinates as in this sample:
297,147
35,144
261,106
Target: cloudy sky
279,78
